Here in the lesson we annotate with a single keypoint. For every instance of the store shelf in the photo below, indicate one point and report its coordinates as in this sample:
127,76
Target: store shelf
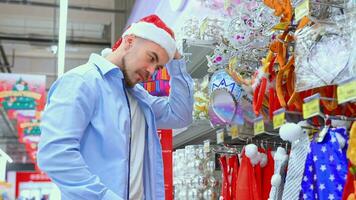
195,52
201,130
196,133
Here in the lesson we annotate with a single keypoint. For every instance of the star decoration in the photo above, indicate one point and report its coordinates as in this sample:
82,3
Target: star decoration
323,149
312,187
338,167
323,168
331,197
305,196
331,177
339,187
315,158
305,179
333,140
331,158
322,187
310,168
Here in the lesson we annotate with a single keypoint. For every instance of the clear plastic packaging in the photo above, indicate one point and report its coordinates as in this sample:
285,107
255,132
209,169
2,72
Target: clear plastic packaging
194,176
324,56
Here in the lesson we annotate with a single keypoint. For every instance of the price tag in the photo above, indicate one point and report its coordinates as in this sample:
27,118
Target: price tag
234,131
311,107
346,91
279,118
281,26
220,136
259,126
301,10
207,146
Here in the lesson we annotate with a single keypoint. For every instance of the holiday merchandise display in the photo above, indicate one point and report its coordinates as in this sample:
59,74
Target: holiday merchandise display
224,95
278,178
194,176
326,167
158,83
201,99
287,70
22,98
299,140
279,91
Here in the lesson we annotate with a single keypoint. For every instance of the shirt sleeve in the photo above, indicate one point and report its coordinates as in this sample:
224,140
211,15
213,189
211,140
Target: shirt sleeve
176,110
67,114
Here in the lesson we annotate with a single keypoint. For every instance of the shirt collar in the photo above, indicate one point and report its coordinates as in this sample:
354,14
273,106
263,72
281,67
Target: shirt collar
104,65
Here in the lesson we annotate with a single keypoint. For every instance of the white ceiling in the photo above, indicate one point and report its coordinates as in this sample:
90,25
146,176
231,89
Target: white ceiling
42,22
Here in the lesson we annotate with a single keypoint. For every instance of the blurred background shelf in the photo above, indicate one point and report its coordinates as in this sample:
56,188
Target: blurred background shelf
196,51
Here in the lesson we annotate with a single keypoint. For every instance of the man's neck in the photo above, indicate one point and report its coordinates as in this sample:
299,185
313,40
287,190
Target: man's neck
115,58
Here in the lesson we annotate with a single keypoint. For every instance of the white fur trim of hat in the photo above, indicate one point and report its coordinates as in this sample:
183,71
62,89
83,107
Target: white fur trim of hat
151,32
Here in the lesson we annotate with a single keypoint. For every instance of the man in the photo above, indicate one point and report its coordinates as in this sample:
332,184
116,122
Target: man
99,129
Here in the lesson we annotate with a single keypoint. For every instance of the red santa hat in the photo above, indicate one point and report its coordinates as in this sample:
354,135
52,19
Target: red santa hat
154,29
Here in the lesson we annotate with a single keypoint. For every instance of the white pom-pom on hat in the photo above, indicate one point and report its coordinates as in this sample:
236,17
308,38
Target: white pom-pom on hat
276,180
251,151
290,132
254,161
263,160
280,154
105,52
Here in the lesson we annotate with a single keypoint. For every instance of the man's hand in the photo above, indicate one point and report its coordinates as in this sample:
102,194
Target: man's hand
177,55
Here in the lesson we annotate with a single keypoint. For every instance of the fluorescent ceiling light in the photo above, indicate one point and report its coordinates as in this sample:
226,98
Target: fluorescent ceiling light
63,13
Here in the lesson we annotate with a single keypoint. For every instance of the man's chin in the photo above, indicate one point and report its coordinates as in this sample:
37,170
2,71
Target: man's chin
130,84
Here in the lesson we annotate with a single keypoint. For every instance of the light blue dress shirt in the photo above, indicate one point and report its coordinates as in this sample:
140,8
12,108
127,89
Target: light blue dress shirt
84,146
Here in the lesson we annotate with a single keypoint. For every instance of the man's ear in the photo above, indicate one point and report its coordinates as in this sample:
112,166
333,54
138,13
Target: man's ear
128,41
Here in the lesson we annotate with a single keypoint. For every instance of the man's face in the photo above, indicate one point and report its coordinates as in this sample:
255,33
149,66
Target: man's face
141,60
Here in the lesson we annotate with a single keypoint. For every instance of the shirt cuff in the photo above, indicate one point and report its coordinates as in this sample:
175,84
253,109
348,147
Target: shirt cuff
177,67
110,195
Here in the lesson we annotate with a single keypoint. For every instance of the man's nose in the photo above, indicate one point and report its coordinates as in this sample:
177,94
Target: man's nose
151,69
